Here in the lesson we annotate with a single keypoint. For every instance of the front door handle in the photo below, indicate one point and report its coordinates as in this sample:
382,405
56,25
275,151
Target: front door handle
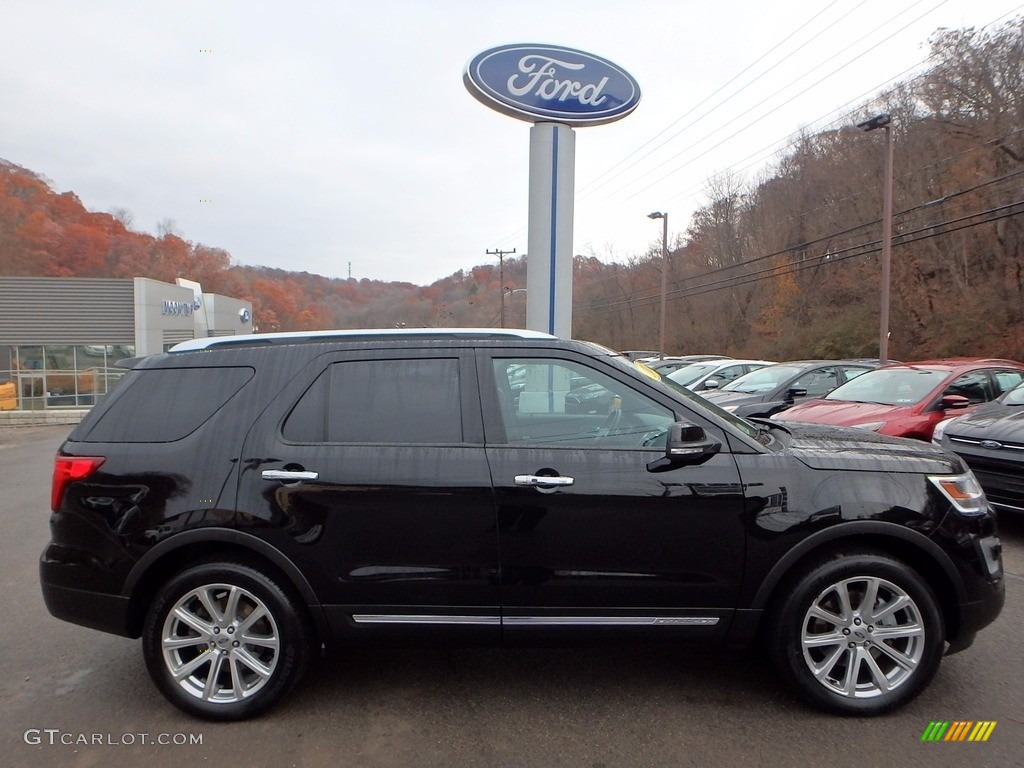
543,481
289,475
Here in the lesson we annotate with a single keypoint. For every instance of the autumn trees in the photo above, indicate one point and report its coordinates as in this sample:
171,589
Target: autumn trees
787,264
780,266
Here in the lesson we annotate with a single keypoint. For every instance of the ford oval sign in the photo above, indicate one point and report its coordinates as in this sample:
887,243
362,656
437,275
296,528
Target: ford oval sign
548,83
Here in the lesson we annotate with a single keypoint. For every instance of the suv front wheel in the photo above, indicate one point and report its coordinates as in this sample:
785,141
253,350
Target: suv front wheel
858,634
225,641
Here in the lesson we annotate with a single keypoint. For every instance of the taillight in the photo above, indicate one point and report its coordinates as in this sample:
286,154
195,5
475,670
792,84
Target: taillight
68,469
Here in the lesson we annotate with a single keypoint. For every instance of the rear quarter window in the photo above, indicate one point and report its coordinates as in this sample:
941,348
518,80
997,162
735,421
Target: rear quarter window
161,405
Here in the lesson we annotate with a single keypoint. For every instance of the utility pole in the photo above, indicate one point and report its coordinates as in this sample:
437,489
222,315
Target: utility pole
664,277
884,120
501,276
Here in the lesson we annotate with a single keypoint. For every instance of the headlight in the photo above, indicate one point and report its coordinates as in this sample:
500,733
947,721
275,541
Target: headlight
871,426
963,491
940,430
730,408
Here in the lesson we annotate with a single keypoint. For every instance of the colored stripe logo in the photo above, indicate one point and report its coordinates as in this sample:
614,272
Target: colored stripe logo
958,730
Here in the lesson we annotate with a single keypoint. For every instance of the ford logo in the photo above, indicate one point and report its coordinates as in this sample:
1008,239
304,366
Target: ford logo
548,83
992,445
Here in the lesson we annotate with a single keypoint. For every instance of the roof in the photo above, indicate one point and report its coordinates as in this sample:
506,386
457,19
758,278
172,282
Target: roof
356,334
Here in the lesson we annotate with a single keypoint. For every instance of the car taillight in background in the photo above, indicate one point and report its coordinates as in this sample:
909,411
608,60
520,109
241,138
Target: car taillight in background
68,469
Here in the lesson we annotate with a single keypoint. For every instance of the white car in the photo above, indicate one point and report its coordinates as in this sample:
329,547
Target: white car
713,374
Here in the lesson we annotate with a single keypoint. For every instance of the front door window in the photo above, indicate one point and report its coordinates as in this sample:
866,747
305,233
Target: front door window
566,404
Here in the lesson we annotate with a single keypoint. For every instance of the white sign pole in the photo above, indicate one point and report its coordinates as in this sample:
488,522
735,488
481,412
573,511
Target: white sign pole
549,238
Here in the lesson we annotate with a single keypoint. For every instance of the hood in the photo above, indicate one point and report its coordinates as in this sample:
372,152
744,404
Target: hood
841,413
992,421
823,447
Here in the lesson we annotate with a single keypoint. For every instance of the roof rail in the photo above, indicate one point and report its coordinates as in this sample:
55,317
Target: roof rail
355,334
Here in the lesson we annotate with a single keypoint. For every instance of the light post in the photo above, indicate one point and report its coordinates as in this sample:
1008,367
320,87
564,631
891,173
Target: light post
664,277
884,120
506,291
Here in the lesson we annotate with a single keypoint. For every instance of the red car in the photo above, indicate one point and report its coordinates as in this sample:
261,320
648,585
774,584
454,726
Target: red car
909,400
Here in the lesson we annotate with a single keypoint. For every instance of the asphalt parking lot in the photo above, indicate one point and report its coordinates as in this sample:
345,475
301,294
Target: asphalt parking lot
76,697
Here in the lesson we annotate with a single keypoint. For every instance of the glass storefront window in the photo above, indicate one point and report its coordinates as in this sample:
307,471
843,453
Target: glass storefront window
29,359
59,375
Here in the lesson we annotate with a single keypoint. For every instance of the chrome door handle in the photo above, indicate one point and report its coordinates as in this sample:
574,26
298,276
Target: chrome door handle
289,476
543,481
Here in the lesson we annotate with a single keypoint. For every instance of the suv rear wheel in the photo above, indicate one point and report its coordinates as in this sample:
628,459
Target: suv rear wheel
859,634
225,641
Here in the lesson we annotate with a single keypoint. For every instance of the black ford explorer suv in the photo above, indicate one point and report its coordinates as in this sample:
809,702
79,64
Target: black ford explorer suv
238,502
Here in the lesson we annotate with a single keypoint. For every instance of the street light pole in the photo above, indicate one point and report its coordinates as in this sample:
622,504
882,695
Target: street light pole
664,277
884,121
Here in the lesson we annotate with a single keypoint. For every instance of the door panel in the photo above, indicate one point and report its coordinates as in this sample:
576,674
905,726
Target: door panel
622,546
391,536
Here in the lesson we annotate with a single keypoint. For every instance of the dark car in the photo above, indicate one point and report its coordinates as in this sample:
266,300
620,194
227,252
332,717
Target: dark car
775,388
240,501
991,440
909,400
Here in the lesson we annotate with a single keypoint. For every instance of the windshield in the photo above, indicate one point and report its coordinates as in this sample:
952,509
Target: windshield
762,380
691,373
890,386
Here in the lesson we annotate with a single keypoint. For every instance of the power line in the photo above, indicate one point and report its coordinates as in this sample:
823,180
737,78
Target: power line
864,249
780,106
772,146
904,216
719,90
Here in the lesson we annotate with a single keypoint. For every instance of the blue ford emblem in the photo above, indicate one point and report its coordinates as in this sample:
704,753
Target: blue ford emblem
992,445
548,83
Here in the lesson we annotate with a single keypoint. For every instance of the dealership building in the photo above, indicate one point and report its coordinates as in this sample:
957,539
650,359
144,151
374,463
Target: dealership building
61,337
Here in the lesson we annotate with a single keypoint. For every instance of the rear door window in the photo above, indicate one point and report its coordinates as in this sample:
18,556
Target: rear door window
818,382
380,401
1007,380
975,386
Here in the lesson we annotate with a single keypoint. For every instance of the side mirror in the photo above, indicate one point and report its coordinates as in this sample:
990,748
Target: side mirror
711,384
952,402
794,392
687,445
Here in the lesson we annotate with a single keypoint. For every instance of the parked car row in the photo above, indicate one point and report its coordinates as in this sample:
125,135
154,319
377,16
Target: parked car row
971,406
909,400
666,365
775,388
713,374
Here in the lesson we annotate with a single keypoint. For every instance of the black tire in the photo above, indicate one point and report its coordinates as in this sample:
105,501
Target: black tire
257,638
851,660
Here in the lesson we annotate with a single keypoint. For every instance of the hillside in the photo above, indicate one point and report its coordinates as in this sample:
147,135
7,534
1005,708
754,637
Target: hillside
782,266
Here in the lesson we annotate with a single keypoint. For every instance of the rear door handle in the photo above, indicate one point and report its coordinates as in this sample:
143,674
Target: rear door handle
543,481
289,475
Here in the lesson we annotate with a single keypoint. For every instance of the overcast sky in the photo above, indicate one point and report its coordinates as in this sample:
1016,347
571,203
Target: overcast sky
325,134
